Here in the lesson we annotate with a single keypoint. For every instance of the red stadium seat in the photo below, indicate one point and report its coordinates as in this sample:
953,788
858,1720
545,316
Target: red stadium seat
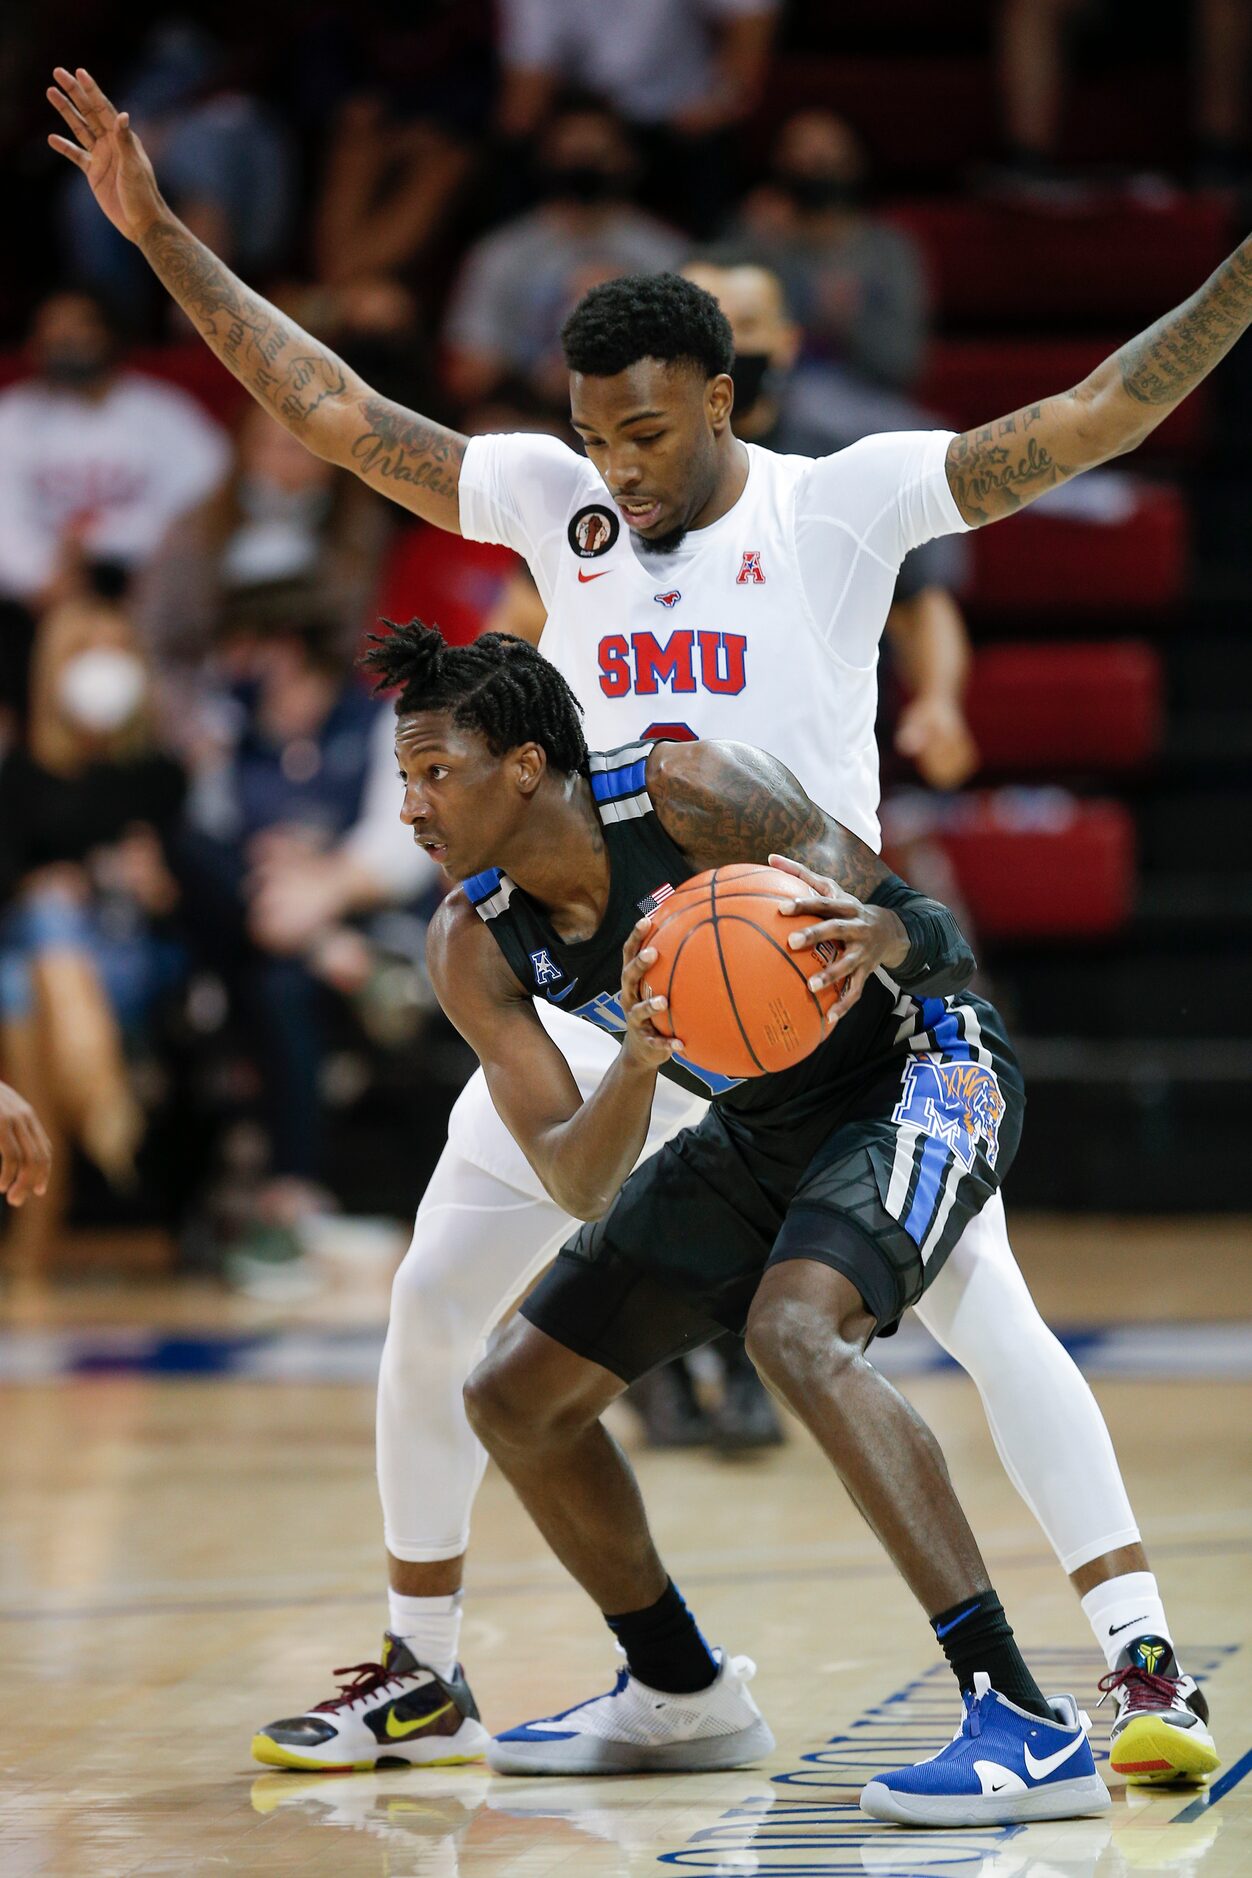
1042,865
1036,709
923,117
192,367
1038,563
991,262
443,579
971,381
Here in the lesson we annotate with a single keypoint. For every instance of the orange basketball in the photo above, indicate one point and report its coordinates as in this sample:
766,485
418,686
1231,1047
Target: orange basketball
738,995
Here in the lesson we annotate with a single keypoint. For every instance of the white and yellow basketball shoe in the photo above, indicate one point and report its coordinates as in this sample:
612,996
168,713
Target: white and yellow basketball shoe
1161,1731
395,1710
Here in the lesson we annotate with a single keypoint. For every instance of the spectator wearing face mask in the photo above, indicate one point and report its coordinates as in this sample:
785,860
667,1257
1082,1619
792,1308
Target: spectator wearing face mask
855,285
95,461
89,808
684,74
283,516
519,281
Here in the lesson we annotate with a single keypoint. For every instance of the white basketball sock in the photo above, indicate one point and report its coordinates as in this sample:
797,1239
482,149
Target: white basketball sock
430,1626
1124,1608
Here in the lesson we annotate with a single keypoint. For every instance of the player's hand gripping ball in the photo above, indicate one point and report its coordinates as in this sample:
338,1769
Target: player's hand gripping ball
737,994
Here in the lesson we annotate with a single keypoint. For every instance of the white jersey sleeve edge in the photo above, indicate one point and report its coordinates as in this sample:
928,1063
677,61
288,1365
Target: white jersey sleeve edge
942,441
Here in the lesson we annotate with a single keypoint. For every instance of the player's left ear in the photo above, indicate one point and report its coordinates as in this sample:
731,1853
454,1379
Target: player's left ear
719,396
528,762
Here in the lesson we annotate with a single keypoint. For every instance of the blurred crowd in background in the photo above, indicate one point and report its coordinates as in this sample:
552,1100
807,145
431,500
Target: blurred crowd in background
211,920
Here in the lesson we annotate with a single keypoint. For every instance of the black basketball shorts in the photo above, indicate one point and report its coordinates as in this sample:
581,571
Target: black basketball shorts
881,1196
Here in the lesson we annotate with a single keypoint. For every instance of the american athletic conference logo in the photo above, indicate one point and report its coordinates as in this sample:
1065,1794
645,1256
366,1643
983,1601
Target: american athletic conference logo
958,1103
547,972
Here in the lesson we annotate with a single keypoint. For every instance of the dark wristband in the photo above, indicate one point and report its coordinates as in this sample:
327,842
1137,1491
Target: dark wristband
939,959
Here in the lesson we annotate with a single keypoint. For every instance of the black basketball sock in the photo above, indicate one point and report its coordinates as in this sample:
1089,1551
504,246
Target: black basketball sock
975,1634
663,1646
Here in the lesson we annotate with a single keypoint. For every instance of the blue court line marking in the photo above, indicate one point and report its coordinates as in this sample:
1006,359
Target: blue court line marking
820,1835
1215,1792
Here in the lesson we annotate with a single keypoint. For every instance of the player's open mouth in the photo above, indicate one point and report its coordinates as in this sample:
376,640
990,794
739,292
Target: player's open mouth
437,850
641,514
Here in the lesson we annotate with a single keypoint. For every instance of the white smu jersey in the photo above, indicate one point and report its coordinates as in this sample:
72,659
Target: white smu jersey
762,628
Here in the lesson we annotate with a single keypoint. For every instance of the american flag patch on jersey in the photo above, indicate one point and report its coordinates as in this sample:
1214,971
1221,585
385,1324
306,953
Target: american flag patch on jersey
651,901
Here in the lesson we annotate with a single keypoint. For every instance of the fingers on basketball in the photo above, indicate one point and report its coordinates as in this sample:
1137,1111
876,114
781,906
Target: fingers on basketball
737,995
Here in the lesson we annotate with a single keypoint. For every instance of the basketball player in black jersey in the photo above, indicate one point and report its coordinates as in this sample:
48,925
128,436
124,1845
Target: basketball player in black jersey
808,1209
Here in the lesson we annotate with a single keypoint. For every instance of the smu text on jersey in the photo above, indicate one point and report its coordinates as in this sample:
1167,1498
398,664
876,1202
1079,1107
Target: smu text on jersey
684,662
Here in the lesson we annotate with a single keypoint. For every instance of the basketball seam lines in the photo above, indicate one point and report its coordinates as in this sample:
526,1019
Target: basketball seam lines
721,960
799,970
673,973
728,893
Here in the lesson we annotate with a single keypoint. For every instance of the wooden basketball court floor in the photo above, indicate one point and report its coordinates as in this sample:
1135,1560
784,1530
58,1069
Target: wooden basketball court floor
186,1556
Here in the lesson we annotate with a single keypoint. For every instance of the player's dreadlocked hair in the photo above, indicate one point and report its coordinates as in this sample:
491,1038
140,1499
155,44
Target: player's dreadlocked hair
498,686
647,316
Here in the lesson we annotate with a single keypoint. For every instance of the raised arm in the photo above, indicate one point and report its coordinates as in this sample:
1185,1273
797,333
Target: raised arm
581,1151
302,383
726,802
998,469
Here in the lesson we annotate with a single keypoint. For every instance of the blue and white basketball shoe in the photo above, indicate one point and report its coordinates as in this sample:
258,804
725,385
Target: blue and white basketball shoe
1001,1766
633,1729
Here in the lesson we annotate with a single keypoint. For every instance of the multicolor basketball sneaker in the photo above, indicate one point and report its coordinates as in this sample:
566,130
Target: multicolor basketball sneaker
1002,1766
396,1710
1161,1731
633,1729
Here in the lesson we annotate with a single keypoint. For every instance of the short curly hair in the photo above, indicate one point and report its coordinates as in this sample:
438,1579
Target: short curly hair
499,686
647,316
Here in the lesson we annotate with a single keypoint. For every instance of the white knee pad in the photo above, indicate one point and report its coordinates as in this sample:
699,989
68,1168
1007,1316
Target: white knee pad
1044,1420
477,1244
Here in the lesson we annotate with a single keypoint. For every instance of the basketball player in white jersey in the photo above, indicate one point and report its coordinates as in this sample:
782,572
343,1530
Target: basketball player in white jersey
694,586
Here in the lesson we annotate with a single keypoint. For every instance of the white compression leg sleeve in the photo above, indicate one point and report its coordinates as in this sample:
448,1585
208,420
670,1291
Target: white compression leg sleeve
477,1243
1044,1420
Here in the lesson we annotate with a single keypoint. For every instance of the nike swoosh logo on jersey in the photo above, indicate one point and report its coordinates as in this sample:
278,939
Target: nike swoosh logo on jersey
600,576
559,997
1039,1770
397,1730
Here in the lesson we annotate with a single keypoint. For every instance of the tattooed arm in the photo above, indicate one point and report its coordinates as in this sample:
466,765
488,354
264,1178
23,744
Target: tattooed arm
727,802
997,470
299,381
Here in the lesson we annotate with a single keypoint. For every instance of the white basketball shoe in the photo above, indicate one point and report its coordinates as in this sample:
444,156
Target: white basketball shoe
637,1730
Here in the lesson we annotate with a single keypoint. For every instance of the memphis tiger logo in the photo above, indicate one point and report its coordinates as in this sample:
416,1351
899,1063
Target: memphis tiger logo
957,1103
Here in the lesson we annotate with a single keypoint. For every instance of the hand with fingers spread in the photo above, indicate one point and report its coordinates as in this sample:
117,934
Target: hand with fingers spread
107,151
643,1044
867,936
25,1151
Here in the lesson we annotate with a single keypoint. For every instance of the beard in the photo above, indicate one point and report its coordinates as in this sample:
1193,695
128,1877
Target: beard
666,543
